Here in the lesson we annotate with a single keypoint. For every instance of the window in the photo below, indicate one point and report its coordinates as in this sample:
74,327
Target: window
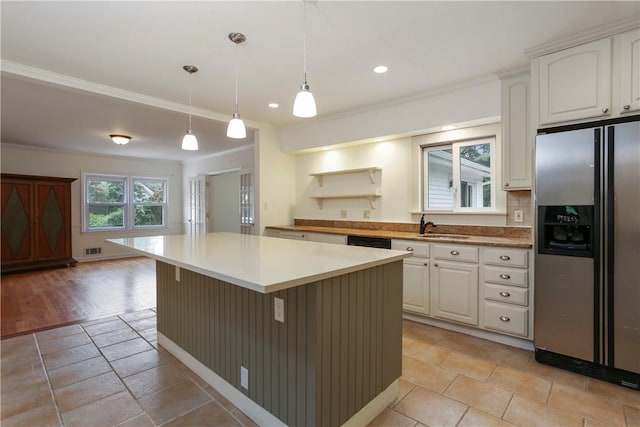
122,203
459,176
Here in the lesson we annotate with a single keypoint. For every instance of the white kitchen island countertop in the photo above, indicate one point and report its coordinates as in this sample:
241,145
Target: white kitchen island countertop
263,264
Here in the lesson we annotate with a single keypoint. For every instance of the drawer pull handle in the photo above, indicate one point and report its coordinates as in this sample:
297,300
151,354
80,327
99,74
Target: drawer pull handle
505,276
409,248
505,257
504,318
505,294
455,253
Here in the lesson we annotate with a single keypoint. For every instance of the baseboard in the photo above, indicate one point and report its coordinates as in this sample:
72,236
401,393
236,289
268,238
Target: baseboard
479,333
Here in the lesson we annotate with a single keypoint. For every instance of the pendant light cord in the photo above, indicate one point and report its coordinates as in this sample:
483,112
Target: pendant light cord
304,39
236,110
190,79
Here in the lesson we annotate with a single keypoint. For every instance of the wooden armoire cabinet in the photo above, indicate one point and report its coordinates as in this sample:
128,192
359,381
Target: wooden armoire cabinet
36,222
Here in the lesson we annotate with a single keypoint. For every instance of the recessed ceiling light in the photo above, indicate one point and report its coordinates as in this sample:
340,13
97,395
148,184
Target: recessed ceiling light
273,105
380,69
448,127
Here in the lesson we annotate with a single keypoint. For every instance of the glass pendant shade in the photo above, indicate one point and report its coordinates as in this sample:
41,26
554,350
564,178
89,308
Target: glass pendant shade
236,128
305,104
189,142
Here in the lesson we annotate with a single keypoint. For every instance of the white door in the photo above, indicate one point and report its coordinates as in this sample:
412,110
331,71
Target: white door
197,205
225,202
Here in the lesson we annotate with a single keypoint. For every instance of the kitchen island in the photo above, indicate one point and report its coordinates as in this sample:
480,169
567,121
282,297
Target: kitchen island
291,332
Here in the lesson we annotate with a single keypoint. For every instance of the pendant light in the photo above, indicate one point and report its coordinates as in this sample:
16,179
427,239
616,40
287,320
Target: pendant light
236,127
190,142
305,104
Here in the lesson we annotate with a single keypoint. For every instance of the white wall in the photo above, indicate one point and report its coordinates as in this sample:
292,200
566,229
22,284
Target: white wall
275,186
393,157
31,161
464,103
399,186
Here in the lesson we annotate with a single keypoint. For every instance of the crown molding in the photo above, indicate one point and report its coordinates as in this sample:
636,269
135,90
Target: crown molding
49,77
584,37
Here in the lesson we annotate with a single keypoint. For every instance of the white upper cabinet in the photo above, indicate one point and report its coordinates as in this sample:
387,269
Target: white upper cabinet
575,83
516,140
628,49
595,80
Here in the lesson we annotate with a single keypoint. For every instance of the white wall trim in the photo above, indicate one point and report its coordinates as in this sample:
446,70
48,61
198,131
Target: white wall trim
583,37
220,153
50,77
479,333
80,153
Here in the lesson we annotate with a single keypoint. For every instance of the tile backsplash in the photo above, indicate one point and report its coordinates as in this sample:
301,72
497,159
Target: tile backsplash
519,200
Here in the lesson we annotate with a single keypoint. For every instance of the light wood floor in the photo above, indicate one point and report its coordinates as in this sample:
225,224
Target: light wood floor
39,300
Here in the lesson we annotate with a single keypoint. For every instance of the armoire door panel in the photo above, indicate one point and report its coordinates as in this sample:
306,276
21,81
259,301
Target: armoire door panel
51,230
17,218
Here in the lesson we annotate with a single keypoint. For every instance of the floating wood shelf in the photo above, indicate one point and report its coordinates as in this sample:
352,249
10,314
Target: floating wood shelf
371,197
371,171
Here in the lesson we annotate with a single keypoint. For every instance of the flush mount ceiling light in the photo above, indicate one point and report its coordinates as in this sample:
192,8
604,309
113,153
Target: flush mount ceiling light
236,127
273,105
120,139
190,142
380,69
448,127
305,104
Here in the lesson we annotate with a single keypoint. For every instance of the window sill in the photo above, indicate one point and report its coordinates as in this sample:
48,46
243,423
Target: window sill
444,212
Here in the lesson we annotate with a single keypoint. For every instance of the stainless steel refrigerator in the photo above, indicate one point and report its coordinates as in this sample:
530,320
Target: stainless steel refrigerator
587,250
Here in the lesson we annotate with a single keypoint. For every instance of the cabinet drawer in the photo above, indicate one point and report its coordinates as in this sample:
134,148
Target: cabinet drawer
506,294
456,253
506,257
506,276
418,248
506,318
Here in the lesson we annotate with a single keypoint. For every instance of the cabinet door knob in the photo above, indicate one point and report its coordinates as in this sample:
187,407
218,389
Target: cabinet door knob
455,253
504,318
505,294
505,257
626,107
506,184
426,264
505,276
409,248
435,265
605,110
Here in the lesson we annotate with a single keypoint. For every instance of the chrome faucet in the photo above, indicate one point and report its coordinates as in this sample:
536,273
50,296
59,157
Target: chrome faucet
424,225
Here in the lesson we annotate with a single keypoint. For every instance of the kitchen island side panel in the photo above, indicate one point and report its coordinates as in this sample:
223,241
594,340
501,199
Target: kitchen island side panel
309,370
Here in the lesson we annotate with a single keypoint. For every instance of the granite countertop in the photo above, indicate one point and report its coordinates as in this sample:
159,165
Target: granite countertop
469,236
262,264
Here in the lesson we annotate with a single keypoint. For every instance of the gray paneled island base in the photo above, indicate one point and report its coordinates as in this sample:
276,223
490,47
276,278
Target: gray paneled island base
335,359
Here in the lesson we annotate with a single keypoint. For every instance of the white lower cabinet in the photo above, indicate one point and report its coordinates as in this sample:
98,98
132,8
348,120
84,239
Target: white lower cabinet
415,296
482,287
416,285
505,291
454,291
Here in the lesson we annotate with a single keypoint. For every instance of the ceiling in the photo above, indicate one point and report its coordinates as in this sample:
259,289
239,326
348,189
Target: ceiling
74,72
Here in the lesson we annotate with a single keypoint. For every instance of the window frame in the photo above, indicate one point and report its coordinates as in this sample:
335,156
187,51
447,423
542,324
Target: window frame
129,204
456,175
489,128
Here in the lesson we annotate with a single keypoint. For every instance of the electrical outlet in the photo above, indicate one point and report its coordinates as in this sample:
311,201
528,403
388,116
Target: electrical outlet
518,216
278,309
244,378
343,213
366,214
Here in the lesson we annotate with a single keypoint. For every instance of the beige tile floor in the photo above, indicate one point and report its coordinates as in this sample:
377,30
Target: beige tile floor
110,372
